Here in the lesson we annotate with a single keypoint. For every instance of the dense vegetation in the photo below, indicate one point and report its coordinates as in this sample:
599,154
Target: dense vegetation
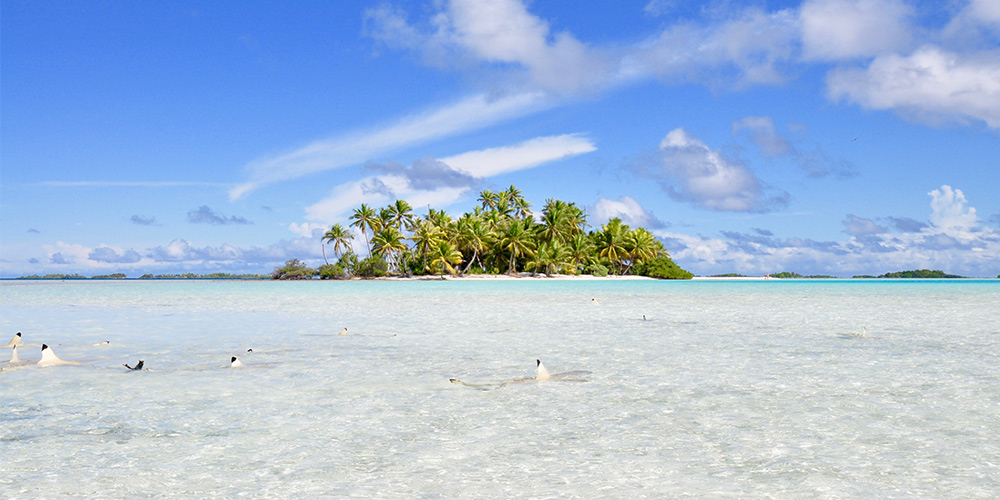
920,273
791,275
121,276
501,235
53,277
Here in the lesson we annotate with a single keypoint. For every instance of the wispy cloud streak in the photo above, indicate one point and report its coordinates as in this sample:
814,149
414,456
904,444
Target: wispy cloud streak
468,114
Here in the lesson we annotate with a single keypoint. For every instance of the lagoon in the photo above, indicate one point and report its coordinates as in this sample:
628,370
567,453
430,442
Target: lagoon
727,389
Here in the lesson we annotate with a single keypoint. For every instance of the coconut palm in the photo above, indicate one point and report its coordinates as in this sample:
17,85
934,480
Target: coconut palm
473,235
387,243
341,239
426,234
364,218
642,246
518,240
444,256
610,242
520,207
401,214
579,249
488,199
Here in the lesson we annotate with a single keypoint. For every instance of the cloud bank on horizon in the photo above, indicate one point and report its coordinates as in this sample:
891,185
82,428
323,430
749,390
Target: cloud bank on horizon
513,65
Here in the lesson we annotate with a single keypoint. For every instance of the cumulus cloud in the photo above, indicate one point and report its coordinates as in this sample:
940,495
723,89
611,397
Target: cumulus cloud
205,215
140,220
182,251
500,32
760,130
907,225
750,47
953,241
932,85
859,226
426,174
626,209
689,171
948,210
847,29
111,256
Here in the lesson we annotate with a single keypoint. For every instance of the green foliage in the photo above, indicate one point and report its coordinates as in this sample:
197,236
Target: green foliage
599,270
332,272
728,275
863,276
501,235
54,277
919,273
293,269
372,267
114,276
210,276
662,267
786,275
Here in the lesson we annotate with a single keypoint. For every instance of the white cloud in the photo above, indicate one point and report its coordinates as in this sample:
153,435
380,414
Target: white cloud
307,229
931,85
413,185
626,209
975,21
954,242
527,154
504,31
690,171
949,214
468,114
860,226
745,49
762,133
847,29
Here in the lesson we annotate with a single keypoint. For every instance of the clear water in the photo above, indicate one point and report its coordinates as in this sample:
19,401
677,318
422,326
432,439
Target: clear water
726,390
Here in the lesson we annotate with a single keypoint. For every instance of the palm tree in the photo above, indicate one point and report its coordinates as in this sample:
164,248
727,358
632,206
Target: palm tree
401,214
488,199
341,239
387,243
364,218
473,235
426,234
517,203
518,240
610,241
579,249
642,246
444,255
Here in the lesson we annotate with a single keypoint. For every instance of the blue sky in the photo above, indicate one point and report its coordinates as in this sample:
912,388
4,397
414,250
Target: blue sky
834,137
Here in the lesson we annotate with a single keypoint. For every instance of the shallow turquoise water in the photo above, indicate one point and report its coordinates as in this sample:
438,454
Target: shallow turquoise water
726,390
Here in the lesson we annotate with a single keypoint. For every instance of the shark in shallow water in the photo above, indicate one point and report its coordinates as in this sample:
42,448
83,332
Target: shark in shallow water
541,374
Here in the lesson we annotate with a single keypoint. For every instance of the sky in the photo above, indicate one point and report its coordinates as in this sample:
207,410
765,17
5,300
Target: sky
837,137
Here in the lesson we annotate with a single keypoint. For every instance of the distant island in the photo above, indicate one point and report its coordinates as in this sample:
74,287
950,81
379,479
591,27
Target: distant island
122,276
500,236
912,274
917,273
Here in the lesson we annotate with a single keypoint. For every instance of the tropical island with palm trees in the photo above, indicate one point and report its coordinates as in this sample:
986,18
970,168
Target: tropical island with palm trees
501,236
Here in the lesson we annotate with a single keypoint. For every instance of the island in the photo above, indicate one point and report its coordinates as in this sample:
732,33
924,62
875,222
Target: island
501,235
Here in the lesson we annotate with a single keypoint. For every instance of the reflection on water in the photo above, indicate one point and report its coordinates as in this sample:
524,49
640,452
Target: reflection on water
733,390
